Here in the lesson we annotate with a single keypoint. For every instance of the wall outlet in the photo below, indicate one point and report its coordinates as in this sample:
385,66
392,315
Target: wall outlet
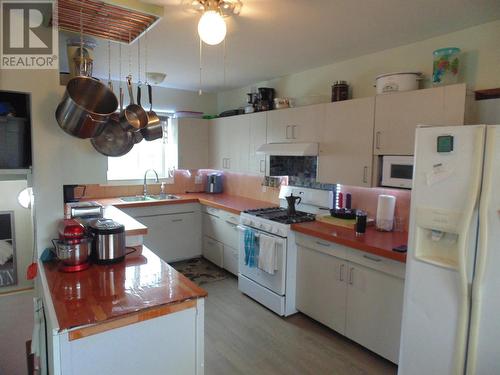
198,179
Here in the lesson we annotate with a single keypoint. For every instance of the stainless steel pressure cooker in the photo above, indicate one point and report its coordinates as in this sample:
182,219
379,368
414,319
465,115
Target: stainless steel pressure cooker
108,242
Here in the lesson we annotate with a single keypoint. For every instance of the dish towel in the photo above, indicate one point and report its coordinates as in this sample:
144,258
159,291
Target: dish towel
251,248
267,254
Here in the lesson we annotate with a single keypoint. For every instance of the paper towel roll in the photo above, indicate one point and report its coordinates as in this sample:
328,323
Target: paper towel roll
385,212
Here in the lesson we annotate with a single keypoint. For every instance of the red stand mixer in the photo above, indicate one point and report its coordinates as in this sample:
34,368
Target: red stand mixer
73,246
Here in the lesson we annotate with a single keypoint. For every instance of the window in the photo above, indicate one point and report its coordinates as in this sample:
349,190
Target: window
160,155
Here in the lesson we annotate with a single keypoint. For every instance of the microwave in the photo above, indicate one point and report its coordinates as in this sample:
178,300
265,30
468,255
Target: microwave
397,171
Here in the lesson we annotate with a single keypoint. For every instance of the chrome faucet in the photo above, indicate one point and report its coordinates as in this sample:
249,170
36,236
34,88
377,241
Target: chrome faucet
145,191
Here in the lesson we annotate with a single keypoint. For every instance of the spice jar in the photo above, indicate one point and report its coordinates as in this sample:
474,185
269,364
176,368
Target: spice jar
340,91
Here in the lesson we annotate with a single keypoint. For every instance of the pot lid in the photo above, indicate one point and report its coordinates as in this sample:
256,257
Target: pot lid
106,226
396,73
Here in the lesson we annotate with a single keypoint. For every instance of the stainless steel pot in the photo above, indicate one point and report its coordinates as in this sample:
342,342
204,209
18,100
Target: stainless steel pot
153,118
108,241
86,107
72,254
113,141
133,117
153,132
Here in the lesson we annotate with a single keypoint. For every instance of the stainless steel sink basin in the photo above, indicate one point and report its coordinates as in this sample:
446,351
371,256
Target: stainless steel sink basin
161,197
145,198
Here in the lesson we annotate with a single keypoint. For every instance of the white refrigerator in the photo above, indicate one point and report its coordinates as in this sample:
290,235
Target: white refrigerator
451,314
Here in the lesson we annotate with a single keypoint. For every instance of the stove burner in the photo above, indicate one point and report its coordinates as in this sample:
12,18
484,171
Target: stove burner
279,215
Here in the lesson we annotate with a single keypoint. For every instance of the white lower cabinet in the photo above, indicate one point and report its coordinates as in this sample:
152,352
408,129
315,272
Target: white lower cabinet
321,291
213,251
220,235
231,259
356,294
174,231
374,310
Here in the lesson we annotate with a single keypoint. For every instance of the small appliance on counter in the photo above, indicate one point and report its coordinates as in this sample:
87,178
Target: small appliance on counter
73,246
69,193
214,183
108,241
83,210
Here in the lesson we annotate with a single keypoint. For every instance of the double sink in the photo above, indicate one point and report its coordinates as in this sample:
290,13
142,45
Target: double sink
148,198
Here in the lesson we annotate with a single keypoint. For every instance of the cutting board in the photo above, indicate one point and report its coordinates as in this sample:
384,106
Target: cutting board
341,222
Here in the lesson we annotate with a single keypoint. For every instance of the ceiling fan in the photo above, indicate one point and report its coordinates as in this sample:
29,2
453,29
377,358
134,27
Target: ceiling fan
212,26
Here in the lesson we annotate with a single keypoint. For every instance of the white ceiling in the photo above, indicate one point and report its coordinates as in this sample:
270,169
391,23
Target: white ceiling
272,38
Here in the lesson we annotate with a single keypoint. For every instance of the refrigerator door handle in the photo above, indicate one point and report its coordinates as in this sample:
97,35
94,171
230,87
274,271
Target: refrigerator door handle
482,251
464,287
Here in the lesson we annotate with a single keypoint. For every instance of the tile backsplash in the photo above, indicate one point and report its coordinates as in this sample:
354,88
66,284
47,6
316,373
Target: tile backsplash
367,200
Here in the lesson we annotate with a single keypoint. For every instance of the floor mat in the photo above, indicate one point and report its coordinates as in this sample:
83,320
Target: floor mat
200,270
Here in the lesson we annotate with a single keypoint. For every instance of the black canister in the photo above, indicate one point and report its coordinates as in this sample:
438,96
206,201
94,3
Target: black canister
340,91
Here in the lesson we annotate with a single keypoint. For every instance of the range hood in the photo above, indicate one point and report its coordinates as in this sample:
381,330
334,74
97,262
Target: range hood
289,149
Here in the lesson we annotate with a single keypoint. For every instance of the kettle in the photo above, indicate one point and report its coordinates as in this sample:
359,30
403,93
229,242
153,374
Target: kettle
291,200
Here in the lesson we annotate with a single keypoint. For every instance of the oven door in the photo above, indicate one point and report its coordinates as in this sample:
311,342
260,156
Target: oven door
275,282
397,171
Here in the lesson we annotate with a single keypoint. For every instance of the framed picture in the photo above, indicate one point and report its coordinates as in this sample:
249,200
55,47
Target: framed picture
8,267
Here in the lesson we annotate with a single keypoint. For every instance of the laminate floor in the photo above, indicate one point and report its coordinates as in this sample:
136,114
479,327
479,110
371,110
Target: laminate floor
243,337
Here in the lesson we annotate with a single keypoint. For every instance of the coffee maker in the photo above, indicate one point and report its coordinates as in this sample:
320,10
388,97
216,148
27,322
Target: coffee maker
266,99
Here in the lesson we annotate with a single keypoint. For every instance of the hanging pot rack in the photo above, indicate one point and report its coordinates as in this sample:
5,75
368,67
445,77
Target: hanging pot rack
106,20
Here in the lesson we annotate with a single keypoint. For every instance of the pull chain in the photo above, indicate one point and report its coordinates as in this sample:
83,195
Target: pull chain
200,92
224,63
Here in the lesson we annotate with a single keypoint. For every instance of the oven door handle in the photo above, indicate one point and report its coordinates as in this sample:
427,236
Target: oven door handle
242,229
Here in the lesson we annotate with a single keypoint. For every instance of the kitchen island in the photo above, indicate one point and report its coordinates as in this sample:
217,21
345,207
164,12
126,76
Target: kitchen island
136,316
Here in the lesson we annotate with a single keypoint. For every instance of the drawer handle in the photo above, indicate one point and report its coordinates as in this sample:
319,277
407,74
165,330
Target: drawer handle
372,258
232,224
322,244
176,220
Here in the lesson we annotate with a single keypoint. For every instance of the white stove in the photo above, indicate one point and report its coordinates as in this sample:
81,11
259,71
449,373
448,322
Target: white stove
277,291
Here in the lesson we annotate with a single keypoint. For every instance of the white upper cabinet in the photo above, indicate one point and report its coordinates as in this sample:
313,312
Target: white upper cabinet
192,138
397,116
257,125
229,144
346,143
295,125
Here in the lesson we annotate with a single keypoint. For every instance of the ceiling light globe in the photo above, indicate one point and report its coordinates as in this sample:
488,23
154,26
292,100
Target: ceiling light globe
212,28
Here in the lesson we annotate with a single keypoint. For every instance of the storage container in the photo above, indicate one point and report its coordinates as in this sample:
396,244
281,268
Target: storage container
445,66
13,142
400,81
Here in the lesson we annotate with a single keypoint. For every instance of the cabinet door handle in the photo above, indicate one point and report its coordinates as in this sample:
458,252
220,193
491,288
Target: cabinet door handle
263,166
322,244
342,266
365,174
293,131
176,220
286,132
372,258
351,276
377,140
228,163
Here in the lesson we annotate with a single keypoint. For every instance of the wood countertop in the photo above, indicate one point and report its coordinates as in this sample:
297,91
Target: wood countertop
226,202
132,226
106,292
373,241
